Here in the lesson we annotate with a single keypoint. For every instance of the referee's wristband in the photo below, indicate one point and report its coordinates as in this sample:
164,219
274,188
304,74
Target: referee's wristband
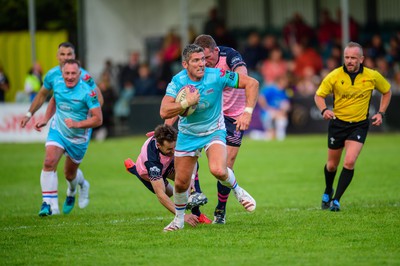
382,114
28,114
323,111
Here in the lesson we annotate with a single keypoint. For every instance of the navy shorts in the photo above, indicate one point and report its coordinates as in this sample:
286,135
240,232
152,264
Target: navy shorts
339,131
234,137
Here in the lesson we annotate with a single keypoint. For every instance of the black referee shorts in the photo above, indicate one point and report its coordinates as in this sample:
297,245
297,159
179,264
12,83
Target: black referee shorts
339,131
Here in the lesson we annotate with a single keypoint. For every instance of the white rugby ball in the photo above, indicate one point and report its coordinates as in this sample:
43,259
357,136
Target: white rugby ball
181,96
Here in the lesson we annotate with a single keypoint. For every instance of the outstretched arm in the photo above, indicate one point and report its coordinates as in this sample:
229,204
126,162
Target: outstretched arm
36,104
165,200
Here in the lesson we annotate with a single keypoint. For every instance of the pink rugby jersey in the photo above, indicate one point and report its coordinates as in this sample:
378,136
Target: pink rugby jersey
234,100
151,164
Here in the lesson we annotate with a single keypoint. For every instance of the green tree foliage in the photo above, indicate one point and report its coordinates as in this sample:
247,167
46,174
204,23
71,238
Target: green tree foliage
50,15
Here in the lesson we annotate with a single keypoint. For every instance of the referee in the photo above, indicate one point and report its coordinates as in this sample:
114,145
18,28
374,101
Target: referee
352,86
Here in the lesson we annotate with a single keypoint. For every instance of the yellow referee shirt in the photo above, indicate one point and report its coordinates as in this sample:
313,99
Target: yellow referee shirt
351,98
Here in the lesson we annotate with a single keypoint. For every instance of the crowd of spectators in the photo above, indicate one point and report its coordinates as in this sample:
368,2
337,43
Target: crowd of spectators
301,53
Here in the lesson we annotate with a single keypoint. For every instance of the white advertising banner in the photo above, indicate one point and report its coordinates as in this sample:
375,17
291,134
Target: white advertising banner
10,123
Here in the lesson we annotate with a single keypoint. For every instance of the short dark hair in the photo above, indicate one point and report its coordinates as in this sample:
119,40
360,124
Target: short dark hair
165,133
205,41
67,45
189,50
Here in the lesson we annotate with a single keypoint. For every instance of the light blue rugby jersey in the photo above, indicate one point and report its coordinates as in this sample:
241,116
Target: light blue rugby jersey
208,116
72,103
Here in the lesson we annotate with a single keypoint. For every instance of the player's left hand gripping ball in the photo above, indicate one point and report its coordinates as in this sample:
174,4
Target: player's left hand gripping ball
181,96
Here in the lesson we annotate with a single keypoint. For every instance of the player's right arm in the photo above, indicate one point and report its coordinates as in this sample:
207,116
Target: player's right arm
38,101
50,111
159,189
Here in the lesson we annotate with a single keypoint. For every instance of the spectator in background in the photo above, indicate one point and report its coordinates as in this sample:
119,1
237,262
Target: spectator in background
354,28
4,84
327,33
369,62
307,85
146,84
212,22
395,83
273,67
162,72
297,29
376,48
269,42
274,106
33,81
171,47
253,52
122,108
111,72
223,37
129,72
330,64
104,84
305,56
171,50
394,51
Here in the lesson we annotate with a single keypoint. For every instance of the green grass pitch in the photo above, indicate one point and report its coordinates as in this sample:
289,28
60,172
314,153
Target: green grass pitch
123,223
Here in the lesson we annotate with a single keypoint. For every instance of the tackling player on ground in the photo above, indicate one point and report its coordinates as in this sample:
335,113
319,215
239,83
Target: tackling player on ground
155,164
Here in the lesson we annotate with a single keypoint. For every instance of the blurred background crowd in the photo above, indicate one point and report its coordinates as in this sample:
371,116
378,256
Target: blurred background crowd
296,57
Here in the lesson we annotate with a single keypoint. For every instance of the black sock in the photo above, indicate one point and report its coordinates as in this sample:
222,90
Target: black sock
329,178
344,181
196,211
223,194
197,184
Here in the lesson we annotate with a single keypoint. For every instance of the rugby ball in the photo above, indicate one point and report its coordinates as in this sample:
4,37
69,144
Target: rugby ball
181,96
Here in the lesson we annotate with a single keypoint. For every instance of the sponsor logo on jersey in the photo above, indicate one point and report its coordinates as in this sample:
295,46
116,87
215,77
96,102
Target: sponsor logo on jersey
154,171
88,79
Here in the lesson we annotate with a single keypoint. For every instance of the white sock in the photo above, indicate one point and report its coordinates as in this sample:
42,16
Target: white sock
230,181
180,200
54,201
49,183
79,177
71,191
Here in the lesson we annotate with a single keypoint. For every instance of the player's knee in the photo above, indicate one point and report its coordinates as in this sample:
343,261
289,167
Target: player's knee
331,167
349,164
49,164
219,173
181,184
